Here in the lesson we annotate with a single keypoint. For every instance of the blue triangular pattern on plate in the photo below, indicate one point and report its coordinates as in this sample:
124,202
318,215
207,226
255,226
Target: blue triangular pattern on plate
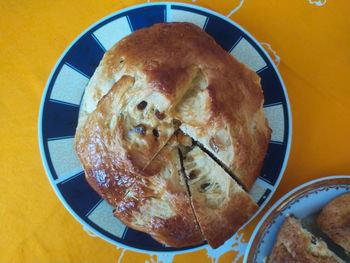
59,120
147,16
79,194
273,163
85,55
223,32
272,88
141,239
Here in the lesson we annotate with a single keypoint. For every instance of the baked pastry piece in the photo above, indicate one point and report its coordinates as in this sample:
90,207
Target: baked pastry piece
334,220
148,86
294,244
220,204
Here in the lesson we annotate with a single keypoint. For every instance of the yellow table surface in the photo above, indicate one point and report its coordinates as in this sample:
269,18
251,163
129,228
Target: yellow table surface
312,41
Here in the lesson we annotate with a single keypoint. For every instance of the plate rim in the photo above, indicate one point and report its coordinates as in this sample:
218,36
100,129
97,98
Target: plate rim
280,204
44,94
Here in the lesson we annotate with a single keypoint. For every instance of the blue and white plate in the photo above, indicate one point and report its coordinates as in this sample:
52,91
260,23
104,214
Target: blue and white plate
305,202
65,87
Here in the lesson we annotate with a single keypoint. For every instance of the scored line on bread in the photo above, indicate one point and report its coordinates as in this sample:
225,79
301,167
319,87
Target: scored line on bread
151,85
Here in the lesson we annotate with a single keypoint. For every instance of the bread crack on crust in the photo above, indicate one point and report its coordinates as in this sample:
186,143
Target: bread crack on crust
149,86
296,244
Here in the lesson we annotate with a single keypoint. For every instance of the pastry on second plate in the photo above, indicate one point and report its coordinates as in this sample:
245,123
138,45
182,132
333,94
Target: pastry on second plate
294,244
334,220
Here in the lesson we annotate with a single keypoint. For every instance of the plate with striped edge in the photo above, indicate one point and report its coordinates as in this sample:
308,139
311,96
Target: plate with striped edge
62,96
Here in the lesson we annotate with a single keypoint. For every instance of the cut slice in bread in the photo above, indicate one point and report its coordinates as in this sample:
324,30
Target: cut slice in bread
221,206
296,244
334,220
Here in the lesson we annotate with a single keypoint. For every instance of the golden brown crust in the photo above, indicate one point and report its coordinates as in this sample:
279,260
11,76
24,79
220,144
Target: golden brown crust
295,244
334,220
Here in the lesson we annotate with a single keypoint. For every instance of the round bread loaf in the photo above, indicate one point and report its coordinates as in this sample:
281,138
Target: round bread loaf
148,86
